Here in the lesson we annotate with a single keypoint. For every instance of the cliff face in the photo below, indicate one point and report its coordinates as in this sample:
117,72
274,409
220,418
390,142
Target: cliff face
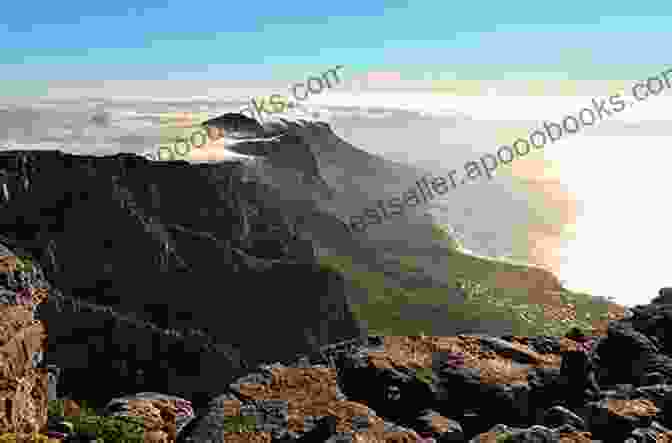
179,246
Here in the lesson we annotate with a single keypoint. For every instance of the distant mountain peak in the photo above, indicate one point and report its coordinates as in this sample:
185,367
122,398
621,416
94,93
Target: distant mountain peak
236,125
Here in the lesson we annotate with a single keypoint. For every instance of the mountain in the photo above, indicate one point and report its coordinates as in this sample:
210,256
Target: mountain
174,246
308,157
257,254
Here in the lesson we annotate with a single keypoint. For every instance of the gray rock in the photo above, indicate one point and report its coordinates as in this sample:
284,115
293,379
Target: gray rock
664,297
558,416
52,382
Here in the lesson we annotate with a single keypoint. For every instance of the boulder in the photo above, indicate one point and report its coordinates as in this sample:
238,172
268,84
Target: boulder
167,414
643,355
655,321
558,416
664,297
431,424
577,378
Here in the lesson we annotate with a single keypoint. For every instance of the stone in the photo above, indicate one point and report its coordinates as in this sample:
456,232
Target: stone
431,424
71,408
664,297
167,413
558,416
577,378
653,378
54,372
156,437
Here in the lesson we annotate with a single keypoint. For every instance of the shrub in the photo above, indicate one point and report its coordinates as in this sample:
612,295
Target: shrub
239,423
24,264
504,437
425,375
55,408
109,429
127,429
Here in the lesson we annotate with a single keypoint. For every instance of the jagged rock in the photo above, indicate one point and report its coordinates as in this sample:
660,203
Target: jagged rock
643,355
664,297
577,378
558,416
645,435
431,424
655,321
54,372
544,344
321,431
611,419
23,380
534,434
174,413
654,378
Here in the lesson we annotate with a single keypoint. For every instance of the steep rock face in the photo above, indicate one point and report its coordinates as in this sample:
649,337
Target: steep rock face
23,379
179,246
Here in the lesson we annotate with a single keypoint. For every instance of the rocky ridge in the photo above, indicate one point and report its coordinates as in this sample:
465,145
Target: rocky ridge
123,237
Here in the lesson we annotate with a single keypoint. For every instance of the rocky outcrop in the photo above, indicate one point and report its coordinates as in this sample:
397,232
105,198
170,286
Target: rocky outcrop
664,297
168,246
23,378
454,389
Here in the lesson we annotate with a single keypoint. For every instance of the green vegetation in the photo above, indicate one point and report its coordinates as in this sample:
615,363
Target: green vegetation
106,429
24,264
529,318
409,264
484,299
440,233
240,423
425,375
504,437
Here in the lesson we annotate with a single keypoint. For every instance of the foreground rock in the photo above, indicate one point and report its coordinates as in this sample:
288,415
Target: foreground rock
23,378
463,388
466,388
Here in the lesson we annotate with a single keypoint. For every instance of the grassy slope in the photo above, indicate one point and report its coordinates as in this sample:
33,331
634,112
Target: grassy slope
487,298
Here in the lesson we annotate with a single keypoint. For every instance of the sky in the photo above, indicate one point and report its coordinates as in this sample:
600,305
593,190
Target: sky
270,40
456,77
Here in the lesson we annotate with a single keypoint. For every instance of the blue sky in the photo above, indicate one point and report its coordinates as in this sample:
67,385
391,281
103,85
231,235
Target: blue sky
223,40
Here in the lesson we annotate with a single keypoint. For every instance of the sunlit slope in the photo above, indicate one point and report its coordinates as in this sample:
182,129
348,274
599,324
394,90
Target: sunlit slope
497,297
